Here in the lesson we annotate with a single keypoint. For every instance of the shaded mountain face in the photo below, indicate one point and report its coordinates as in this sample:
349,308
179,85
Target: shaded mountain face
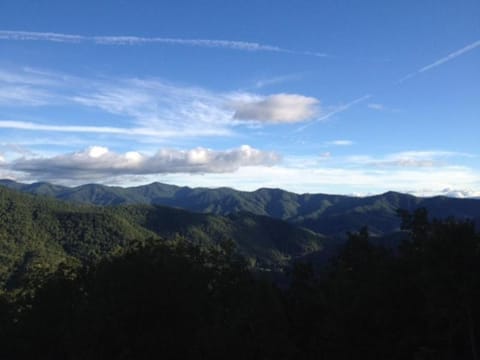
38,233
264,242
331,215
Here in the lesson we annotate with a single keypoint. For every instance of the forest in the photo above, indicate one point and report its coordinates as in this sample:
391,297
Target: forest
82,282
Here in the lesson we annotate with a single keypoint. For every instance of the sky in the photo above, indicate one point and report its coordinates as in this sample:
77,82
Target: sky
342,97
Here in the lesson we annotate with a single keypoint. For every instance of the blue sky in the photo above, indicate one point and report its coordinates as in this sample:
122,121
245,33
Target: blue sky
341,97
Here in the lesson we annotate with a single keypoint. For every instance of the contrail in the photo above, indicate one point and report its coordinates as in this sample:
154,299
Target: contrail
23,125
338,110
441,61
137,40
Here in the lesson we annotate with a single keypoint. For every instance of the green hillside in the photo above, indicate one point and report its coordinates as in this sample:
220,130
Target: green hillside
331,215
38,233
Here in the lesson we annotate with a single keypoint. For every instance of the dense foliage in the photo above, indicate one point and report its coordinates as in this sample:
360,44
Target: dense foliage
179,300
39,233
173,301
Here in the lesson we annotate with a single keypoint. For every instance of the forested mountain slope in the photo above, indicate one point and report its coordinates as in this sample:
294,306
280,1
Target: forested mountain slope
331,215
38,233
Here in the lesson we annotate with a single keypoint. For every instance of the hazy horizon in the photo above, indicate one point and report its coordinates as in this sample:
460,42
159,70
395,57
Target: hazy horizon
446,193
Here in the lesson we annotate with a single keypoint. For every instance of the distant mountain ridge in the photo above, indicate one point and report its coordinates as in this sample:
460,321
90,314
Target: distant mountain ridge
331,215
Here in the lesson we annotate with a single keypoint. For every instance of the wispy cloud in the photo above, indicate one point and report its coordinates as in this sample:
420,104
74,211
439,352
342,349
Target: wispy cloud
441,61
339,143
26,76
23,89
408,159
382,108
23,96
160,105
376,106
30,126
138,40
147,108
15,149
262,83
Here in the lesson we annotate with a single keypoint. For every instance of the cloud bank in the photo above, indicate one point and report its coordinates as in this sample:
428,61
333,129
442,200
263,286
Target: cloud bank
422,173
98,162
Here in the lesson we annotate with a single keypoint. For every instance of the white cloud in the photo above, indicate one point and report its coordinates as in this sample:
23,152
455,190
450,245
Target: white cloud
99,163
278,108
97,151
460,193
243,168
340,142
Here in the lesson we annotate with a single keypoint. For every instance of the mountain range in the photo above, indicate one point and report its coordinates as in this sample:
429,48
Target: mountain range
43,225
330,215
